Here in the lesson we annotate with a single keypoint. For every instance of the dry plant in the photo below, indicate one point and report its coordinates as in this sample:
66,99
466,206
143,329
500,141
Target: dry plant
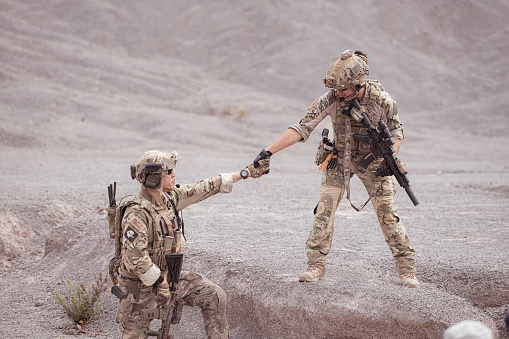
79,303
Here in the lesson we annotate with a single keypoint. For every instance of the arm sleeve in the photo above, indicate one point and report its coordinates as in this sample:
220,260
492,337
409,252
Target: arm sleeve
135,253
316,113
390,107
190,194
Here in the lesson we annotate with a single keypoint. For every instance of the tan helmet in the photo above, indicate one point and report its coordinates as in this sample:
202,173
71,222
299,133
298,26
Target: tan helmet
347,70
152,166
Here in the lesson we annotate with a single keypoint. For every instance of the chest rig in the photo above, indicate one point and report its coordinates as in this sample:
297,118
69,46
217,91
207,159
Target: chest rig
346,126
164,229
344,121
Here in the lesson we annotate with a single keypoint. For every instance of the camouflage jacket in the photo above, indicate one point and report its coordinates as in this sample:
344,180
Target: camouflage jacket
378,103
150,230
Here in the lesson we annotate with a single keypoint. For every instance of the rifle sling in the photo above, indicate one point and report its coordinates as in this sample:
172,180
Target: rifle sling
347,159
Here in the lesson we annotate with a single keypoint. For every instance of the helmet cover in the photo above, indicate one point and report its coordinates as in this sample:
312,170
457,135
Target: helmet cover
166,161
347,70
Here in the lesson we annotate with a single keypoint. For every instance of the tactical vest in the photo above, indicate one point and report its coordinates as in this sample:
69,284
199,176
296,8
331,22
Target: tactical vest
163,231
371,98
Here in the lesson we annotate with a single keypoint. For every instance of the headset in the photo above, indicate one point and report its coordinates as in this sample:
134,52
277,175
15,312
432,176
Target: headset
149,176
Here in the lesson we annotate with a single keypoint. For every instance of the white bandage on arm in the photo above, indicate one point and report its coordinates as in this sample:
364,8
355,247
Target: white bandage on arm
226,183
150,277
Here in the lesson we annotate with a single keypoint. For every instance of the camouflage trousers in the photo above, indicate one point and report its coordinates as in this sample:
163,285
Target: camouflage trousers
193,289
382,191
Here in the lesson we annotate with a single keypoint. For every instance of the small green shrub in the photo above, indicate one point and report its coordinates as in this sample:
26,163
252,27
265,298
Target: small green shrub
79,303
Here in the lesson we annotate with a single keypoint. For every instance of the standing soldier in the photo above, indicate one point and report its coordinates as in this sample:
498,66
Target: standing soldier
345,78
150,228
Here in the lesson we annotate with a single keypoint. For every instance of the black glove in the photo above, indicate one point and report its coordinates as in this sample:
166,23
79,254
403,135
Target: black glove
263,155
385,171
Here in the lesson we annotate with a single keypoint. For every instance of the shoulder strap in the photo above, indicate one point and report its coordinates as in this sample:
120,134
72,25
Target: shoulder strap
374,89
180,221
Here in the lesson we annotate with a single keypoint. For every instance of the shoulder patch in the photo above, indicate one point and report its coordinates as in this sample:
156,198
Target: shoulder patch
137,217
130,234
137,224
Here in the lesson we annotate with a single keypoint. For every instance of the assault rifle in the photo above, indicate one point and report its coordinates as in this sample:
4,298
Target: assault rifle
380,143
170,314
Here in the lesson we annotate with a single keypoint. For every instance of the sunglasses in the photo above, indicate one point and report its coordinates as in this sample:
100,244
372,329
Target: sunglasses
342,90
170,171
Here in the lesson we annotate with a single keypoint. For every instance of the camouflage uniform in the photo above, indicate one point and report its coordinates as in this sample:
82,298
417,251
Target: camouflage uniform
379,105
145,228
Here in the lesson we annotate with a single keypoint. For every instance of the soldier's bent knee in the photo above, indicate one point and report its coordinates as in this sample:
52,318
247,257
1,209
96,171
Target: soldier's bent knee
222,300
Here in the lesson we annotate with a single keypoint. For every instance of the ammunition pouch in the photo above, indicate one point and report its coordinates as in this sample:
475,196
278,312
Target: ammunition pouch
357,146
155,313
163,313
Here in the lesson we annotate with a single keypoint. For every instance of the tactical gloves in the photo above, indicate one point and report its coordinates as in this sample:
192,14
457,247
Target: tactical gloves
260,165
384,170
263,168
263,155
163,296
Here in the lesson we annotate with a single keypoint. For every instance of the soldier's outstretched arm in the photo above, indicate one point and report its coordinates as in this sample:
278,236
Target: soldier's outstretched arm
288,138
261,164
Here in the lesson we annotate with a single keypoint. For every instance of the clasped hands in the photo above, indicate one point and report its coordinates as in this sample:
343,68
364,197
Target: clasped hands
260,165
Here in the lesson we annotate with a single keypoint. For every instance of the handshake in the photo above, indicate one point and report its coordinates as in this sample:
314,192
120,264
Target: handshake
260,165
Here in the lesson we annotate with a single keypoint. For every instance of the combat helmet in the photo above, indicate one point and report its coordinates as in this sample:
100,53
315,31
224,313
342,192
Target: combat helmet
152,166
347,70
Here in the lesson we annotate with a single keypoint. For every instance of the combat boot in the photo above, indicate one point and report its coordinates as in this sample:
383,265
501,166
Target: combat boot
313,273
409,280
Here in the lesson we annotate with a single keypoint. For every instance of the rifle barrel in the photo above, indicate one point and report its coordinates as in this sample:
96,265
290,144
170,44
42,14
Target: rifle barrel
412,196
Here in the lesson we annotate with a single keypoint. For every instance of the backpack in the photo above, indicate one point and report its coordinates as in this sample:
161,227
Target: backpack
115,214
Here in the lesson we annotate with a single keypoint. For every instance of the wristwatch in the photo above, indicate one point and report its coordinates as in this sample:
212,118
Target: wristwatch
244,173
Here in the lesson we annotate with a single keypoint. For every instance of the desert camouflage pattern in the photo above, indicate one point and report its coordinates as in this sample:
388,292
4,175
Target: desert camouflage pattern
193,289
143,238
382,191
379,105
347,70
169,161
196,290
150,231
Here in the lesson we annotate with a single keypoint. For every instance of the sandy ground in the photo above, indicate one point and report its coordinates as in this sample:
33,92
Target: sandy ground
87,86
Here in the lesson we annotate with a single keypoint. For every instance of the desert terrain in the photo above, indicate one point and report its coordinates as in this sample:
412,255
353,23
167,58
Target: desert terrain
87,86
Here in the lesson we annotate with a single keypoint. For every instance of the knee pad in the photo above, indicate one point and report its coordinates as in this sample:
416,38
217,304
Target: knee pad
390,218
387,213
